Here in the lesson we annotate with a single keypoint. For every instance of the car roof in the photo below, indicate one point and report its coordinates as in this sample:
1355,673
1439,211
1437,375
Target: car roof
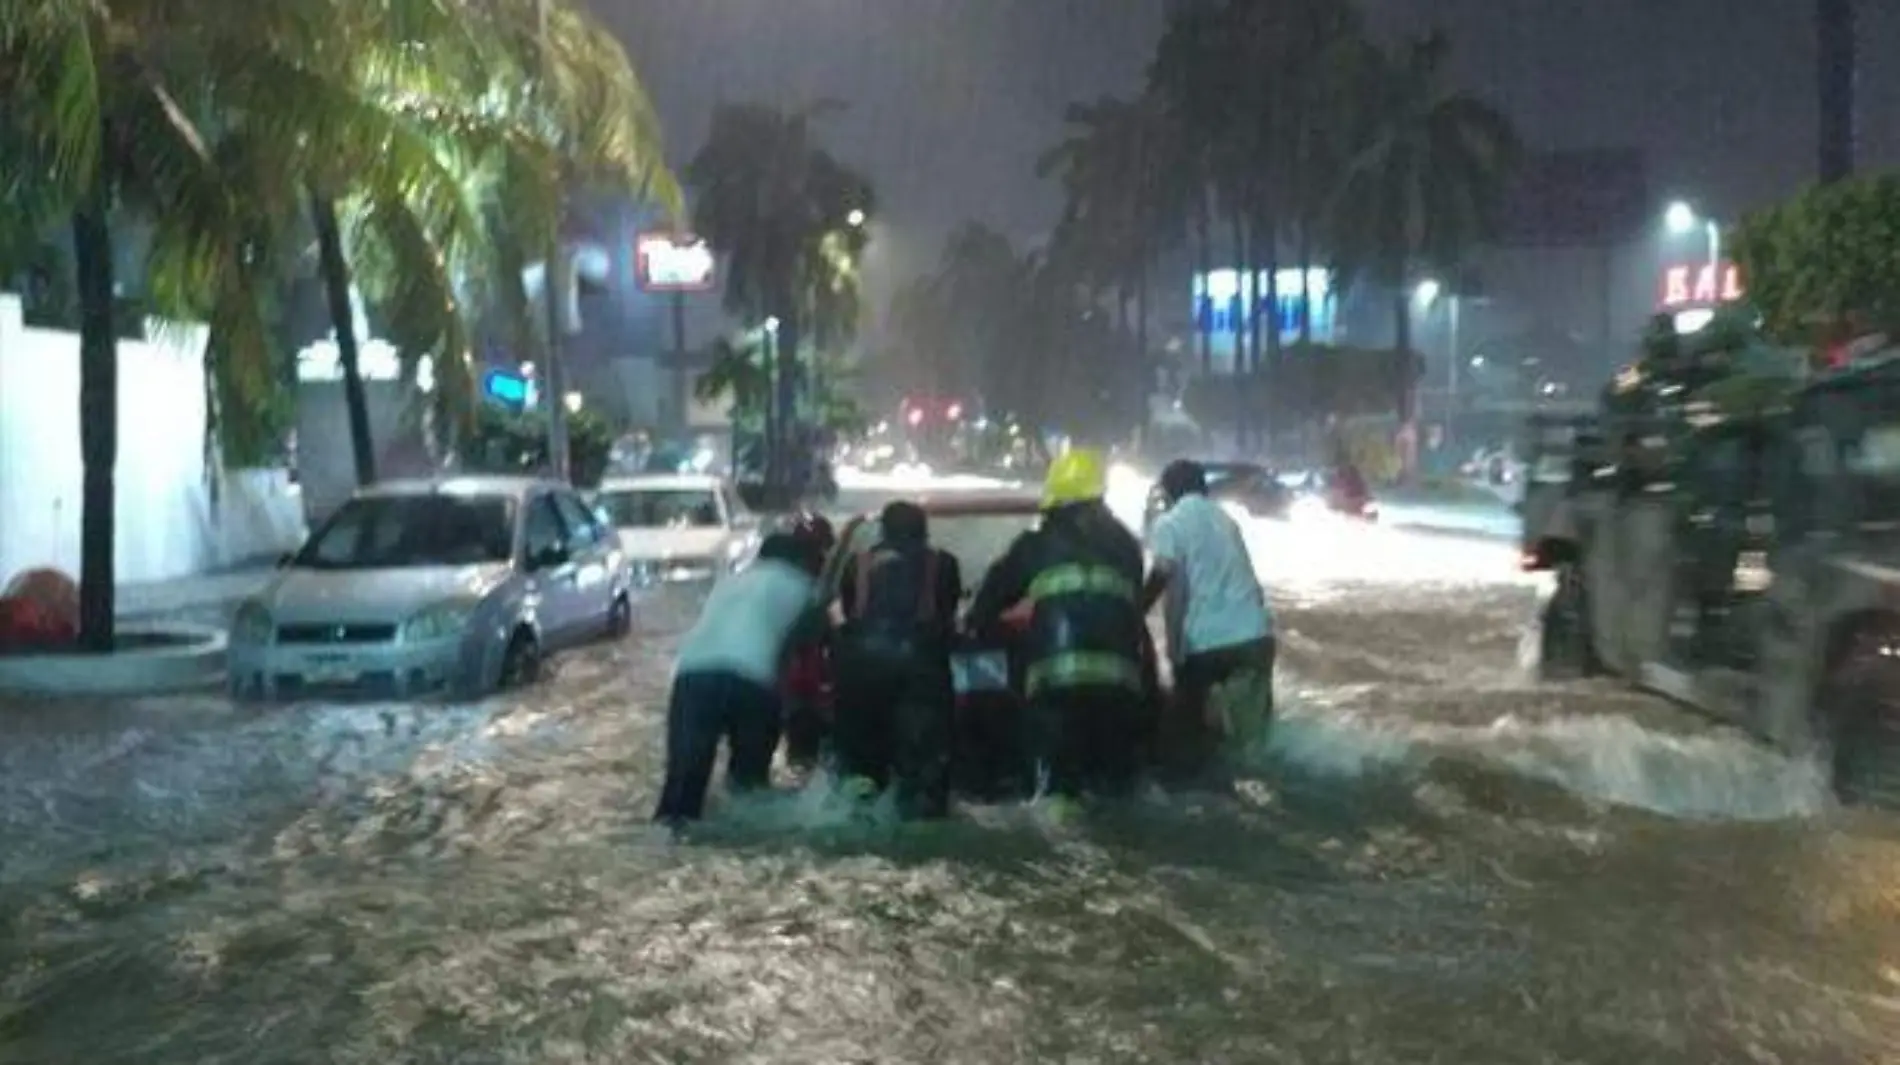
475,484
974,504
638,481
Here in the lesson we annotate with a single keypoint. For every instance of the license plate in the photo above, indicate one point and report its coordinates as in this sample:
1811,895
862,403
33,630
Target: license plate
984,671
331,673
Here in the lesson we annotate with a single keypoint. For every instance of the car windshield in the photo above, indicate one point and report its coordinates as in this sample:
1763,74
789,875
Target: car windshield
661,508
391,531
977,540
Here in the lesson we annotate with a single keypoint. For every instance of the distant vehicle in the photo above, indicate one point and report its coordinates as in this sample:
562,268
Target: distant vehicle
1745,563
678,526
1253,489
987,671
461,584
1327,493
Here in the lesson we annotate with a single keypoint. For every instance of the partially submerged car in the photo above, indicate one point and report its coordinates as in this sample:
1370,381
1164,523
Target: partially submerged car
461,584
678,526
990,760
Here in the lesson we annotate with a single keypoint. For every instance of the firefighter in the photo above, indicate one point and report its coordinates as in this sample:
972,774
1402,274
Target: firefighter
1080,575
895,701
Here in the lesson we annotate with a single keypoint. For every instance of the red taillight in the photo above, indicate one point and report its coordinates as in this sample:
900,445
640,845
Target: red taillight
1530,561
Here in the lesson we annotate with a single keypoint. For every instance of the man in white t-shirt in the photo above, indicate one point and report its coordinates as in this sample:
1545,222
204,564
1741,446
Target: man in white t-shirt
726,679
1220,628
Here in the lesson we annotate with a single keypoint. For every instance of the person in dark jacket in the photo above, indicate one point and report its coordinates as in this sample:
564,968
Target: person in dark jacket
1080,574
892,657
807,686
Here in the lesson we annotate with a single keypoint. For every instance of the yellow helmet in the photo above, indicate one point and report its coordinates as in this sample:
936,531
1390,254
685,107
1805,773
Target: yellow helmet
1077,476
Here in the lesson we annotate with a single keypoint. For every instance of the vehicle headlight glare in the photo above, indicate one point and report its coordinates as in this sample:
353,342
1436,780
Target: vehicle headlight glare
437,623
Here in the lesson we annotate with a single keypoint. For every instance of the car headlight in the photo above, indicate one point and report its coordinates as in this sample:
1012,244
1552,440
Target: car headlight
1311,508
738,553
252,624
437,623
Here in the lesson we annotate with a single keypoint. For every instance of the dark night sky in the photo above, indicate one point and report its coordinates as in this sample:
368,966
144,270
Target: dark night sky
952,100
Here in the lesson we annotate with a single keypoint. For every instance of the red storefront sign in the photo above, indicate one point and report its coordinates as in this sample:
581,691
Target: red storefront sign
1703,283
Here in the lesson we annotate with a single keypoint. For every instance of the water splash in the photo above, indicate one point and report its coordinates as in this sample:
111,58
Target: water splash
1609,758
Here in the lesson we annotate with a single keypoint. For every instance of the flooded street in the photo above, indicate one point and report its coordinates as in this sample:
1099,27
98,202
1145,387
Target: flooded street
1437,861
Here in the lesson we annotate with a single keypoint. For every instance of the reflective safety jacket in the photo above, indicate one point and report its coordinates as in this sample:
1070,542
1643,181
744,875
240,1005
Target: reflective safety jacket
1081,575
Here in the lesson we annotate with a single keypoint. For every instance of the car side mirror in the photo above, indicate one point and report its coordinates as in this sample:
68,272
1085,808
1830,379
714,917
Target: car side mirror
548,557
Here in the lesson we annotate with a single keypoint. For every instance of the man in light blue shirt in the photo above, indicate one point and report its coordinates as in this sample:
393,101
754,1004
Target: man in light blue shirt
726,679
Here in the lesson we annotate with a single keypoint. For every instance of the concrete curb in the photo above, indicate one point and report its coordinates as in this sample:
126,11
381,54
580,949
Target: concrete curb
192,661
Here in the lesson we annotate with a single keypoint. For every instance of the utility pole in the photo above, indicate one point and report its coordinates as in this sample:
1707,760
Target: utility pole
553,288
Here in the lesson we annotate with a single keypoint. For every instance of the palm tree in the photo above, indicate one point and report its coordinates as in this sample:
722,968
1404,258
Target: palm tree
1836,64
107,109
769,199
1431,165
442,113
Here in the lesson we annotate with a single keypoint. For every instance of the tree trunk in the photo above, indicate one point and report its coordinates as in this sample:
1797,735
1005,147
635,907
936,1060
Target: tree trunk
785,354
1243,297
1305,253
1145,366
1275,368
335,270
1204,261
1835,77
98,414
1407,383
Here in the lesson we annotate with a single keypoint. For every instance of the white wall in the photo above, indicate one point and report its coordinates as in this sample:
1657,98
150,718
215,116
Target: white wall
167,523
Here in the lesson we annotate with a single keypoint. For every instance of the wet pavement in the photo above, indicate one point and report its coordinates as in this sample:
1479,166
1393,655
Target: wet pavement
1437,861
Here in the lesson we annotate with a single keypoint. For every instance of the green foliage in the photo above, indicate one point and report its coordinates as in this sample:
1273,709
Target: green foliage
513,442
778,206
1825,266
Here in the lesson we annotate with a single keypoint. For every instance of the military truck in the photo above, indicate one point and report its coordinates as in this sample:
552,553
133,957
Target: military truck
1745,562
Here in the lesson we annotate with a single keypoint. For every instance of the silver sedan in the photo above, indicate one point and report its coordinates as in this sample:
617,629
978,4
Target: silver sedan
461,584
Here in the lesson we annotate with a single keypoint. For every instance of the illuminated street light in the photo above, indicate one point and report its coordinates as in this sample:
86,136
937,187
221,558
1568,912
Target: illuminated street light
575,401
855,219
1681,218
771,324
1427,292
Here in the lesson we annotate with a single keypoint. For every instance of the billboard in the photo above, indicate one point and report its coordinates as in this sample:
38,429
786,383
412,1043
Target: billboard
1700,284
673,262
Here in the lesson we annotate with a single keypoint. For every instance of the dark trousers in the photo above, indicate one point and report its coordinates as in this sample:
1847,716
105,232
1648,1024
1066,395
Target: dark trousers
1215,690
895,710
805,730
704,708
1087,740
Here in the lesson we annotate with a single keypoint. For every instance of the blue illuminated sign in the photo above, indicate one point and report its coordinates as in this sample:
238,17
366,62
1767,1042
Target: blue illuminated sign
505,387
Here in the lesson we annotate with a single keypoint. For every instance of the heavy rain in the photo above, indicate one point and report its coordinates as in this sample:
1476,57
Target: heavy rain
334,731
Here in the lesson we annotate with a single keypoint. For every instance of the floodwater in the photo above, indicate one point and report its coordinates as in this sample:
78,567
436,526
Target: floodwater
1437,861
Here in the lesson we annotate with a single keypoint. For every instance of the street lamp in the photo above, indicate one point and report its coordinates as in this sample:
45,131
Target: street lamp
855,219
1681,218
1426,295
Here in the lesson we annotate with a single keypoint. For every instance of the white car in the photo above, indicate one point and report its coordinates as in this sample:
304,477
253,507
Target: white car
462,583
678,526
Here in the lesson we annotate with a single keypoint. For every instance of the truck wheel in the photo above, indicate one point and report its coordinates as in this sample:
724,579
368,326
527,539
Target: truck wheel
1566,652
1860,702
